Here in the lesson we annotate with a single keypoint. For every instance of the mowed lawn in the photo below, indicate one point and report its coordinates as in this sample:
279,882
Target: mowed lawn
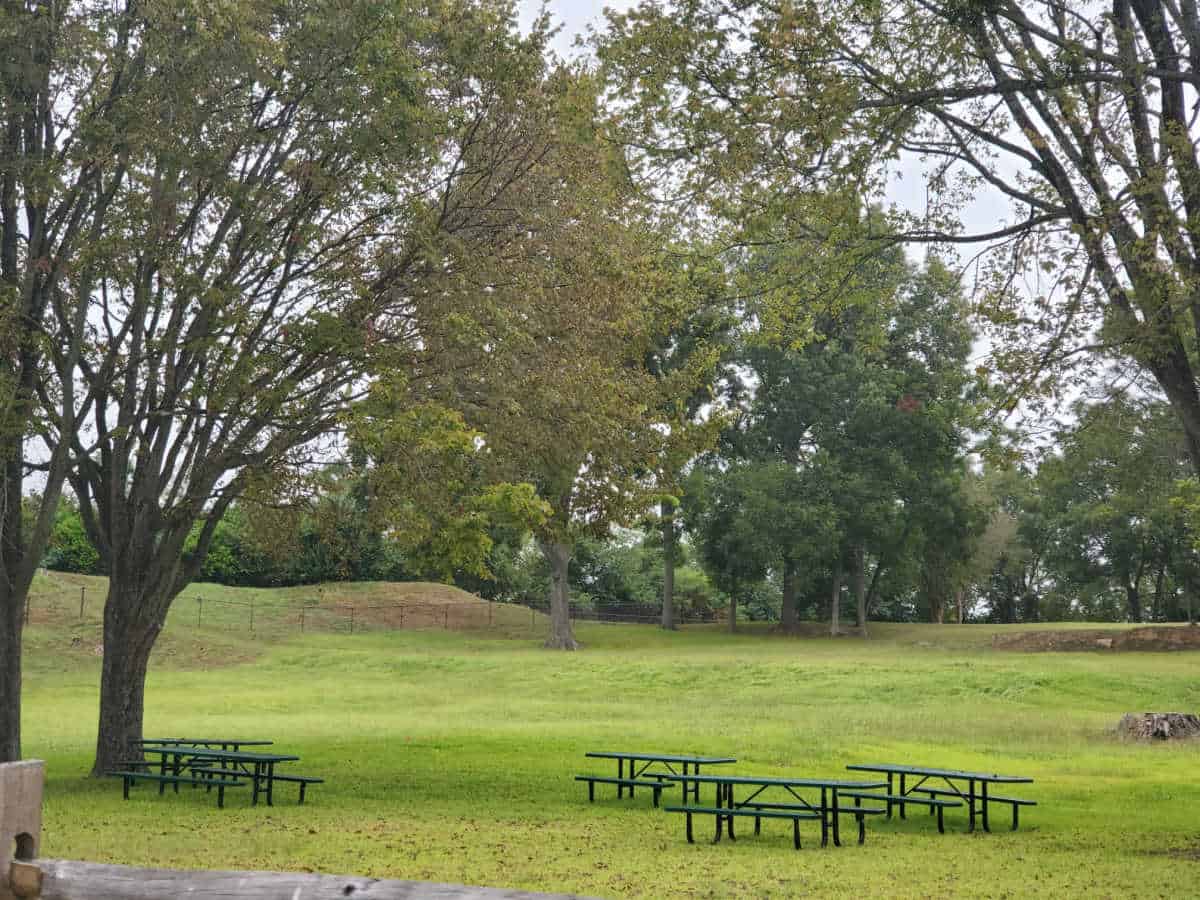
450,756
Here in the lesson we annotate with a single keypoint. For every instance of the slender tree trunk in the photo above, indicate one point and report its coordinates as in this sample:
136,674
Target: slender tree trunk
12,620
733,604
1133,597
788,619
858,580
1160,610
129,636
561,636
960,597
668,534
835,600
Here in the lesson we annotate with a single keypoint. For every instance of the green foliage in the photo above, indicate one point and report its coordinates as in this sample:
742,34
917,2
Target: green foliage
70,550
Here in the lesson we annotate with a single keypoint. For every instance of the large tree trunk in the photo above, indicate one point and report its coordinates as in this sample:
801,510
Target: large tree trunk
835,600
12,616
668,534
131,626
558,555
937,610
859,583
788,619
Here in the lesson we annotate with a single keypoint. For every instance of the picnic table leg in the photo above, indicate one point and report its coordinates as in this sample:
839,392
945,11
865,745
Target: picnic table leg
862,822
720,818
796,833
903,805
824,821
620,774
271,783
837,831
689,829
971,804
162,770
1015,808
889,802
125,786
254,778
983,786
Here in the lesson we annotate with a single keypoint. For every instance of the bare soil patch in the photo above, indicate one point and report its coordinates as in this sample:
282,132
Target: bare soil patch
1155,637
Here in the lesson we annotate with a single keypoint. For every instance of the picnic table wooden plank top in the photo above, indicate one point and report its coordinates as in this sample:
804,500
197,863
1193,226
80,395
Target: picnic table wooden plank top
941,773
781,780
229,755
661,757
199,742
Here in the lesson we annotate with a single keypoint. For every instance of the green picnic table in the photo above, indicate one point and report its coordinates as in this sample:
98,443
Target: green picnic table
640,774
796,806
948,793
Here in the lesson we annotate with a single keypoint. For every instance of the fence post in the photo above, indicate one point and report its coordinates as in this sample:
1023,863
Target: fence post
199,610
82,595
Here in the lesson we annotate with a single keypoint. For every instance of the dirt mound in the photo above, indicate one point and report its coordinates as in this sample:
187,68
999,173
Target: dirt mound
1159,726
1159,637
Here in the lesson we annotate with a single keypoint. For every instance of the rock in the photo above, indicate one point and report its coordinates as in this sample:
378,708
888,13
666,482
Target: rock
1106,643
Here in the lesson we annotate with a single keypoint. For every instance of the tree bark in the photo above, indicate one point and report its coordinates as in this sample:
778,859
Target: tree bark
835,600
859,583
132,622
937,610
788,619
668,534
960,597
733,604
558,555
12,621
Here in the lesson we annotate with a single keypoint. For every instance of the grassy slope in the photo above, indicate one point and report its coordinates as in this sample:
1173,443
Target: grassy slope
449,758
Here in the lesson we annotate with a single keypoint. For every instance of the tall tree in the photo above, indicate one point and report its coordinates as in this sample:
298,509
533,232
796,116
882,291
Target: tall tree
56,196
560,299
244,163
1078,116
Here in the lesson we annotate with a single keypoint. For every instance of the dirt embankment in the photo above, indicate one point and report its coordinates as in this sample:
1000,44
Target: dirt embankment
1162,637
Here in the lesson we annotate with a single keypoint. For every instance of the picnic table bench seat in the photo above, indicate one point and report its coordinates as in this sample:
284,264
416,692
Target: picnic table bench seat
1015,802
859,813
130,776
725,812
934,804
303,780
657,785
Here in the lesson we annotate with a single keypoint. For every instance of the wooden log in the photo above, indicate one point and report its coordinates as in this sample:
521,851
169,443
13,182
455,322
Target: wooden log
69,880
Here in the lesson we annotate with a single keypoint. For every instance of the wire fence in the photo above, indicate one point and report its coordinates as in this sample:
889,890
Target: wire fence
278,613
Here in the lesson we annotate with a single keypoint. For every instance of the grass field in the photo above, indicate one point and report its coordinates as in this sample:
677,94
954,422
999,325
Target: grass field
449,757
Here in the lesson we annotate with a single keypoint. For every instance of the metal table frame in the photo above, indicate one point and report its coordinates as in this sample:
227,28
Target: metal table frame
977,801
